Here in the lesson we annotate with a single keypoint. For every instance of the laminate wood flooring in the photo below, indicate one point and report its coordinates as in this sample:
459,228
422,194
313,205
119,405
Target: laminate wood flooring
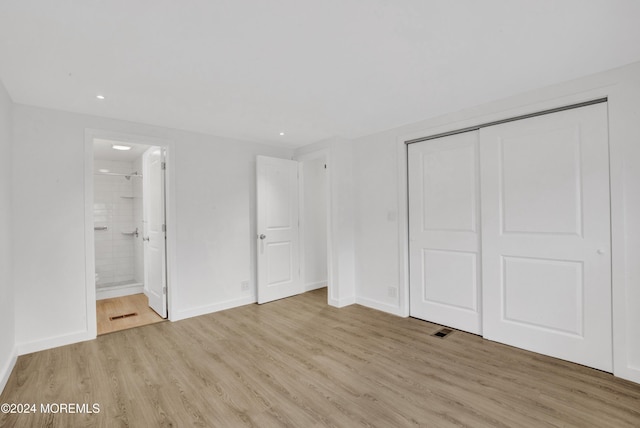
125,305
300,363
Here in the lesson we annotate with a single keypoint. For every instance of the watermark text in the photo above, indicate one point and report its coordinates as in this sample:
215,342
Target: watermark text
50,408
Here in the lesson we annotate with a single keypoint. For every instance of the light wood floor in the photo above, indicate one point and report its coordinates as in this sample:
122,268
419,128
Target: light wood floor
298,362
126,305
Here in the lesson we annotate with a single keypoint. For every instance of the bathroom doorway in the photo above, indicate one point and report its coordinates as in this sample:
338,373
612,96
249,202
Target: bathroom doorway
129,234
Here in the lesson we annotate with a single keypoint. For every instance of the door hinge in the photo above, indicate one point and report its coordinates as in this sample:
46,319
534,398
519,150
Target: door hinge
164,290
164,227
163,165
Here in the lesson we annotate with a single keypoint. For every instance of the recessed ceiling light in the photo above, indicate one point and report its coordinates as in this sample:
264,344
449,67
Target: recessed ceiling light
119,147
282,133
100,97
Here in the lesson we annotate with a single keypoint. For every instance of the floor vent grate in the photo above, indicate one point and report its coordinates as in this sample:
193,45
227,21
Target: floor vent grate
442,333
119,317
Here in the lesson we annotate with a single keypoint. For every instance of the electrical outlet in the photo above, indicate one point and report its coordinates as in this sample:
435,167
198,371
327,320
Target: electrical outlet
244,285
392,291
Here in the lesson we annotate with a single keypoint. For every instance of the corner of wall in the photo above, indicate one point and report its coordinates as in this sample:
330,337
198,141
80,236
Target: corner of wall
622,87
380,306
7,368
8,352
343,220
342,289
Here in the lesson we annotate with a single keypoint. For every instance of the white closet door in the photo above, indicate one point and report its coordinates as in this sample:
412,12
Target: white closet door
443,227
546,235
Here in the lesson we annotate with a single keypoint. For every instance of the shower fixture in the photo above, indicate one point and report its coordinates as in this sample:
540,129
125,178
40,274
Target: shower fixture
127,176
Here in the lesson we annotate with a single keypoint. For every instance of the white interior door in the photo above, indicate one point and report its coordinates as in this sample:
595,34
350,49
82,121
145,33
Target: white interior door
154,230
546,235
444,231
278,235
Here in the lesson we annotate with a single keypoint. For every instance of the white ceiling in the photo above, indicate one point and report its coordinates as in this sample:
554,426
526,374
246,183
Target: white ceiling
250,69
103,149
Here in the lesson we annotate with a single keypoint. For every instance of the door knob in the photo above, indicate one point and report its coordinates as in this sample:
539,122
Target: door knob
145,239
262,236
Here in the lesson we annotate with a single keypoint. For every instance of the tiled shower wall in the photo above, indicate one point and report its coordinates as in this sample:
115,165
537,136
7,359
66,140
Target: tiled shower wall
113,206
138,247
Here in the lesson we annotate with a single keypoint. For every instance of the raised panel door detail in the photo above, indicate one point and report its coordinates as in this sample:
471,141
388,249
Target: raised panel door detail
278,205
450,278
279,254
541,182
546,235
443,227
277,237
153,213
449,189
543,293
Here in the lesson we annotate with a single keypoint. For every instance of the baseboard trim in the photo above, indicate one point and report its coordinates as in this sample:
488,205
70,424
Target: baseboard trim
629,372
341,303
380,306
315,285
7,369
216,307
119,291
52,342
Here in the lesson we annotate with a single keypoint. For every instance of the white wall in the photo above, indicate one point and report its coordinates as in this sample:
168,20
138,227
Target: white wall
214,210
380,190
7,326
376,228
314,223
339,153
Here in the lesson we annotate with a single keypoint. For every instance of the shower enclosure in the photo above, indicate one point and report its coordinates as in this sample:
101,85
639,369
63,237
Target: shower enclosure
118,226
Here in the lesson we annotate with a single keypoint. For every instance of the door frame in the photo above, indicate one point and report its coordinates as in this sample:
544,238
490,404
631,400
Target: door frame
462,126
90,296
325,155
544,99
145,223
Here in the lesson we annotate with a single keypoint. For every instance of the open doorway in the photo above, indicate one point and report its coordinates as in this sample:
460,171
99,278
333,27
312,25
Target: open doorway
128,210
313,222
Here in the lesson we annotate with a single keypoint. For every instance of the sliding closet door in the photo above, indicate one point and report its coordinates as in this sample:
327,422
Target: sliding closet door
444,236
546,235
